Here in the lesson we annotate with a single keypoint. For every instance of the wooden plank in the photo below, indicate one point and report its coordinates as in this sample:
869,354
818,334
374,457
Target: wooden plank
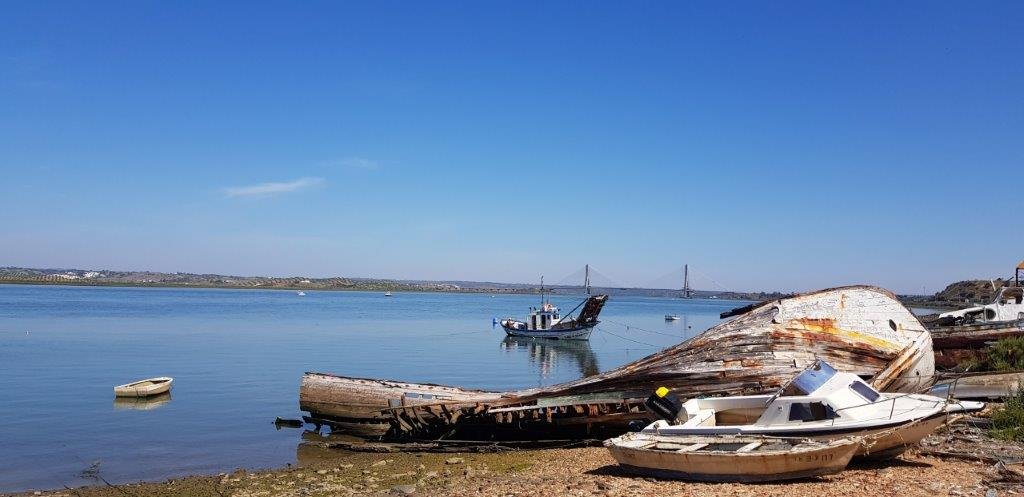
750,446
691,448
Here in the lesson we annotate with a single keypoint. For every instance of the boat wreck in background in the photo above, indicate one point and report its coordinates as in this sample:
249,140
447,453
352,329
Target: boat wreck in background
955,345
965,334
863,330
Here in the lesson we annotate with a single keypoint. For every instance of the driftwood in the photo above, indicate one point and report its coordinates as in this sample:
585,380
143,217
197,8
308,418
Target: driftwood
863,330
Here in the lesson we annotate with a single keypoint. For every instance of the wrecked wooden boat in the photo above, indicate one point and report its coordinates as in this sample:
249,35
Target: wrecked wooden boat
745,459
860,329
965,334
955,345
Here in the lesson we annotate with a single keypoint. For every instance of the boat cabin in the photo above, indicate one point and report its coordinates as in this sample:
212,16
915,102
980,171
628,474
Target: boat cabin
818,394
543,318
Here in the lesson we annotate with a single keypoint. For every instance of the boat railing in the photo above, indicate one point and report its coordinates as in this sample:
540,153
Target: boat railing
892,408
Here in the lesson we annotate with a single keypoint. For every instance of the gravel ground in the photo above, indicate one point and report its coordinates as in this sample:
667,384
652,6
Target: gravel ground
559,472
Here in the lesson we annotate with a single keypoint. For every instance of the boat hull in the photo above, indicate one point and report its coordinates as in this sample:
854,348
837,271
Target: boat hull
144,388
880,442
955,344
365,400
748,467
582,333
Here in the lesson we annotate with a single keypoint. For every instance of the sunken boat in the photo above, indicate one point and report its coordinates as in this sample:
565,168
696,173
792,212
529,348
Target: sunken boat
858,329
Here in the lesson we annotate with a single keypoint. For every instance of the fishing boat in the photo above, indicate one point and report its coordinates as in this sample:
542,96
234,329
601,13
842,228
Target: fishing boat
730,458
144,388
387,294
820,403
671,317
547,322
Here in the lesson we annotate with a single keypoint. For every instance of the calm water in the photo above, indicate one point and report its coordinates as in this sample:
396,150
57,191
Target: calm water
237,356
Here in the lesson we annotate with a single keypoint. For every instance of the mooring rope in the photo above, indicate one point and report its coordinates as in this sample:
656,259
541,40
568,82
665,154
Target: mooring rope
630,327
628,339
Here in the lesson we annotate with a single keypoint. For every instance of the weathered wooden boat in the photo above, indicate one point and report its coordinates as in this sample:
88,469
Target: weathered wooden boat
980,386
820,403
361,404
730,458
954,345
144,388
861,330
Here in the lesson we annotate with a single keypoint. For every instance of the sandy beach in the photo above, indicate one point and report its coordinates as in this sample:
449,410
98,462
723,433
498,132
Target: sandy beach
575,472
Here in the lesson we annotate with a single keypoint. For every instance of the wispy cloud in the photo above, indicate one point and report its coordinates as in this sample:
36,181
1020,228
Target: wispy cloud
354,163
269,189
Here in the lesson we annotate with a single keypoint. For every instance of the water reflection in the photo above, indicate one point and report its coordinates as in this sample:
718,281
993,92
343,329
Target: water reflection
142,403
547,354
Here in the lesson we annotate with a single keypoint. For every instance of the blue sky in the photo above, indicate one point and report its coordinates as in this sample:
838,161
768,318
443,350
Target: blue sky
786,146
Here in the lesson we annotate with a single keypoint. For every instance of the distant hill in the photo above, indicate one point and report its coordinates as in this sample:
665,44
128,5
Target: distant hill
959,294
971,291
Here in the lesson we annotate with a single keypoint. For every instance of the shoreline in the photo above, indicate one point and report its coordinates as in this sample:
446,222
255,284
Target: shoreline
579,472
294,288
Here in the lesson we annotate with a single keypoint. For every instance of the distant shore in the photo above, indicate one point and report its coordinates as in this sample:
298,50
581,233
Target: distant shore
150,279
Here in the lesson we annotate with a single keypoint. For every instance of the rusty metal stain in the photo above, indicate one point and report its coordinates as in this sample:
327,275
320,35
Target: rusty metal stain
828,325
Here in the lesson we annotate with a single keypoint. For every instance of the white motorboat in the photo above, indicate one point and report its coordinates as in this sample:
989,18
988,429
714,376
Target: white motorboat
300,293
820,403
671,317
387,294
730,458
144,388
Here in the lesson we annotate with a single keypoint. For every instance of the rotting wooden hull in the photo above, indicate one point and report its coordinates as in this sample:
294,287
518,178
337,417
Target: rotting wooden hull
863,330
956,344
364,400
802,461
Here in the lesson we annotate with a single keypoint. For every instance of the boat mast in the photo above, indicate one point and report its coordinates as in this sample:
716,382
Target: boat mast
586,278
542,292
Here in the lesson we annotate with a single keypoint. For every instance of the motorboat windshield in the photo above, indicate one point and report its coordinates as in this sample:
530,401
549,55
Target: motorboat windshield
811,379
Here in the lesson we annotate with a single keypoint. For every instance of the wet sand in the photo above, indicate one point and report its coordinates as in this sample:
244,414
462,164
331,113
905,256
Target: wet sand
575,472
